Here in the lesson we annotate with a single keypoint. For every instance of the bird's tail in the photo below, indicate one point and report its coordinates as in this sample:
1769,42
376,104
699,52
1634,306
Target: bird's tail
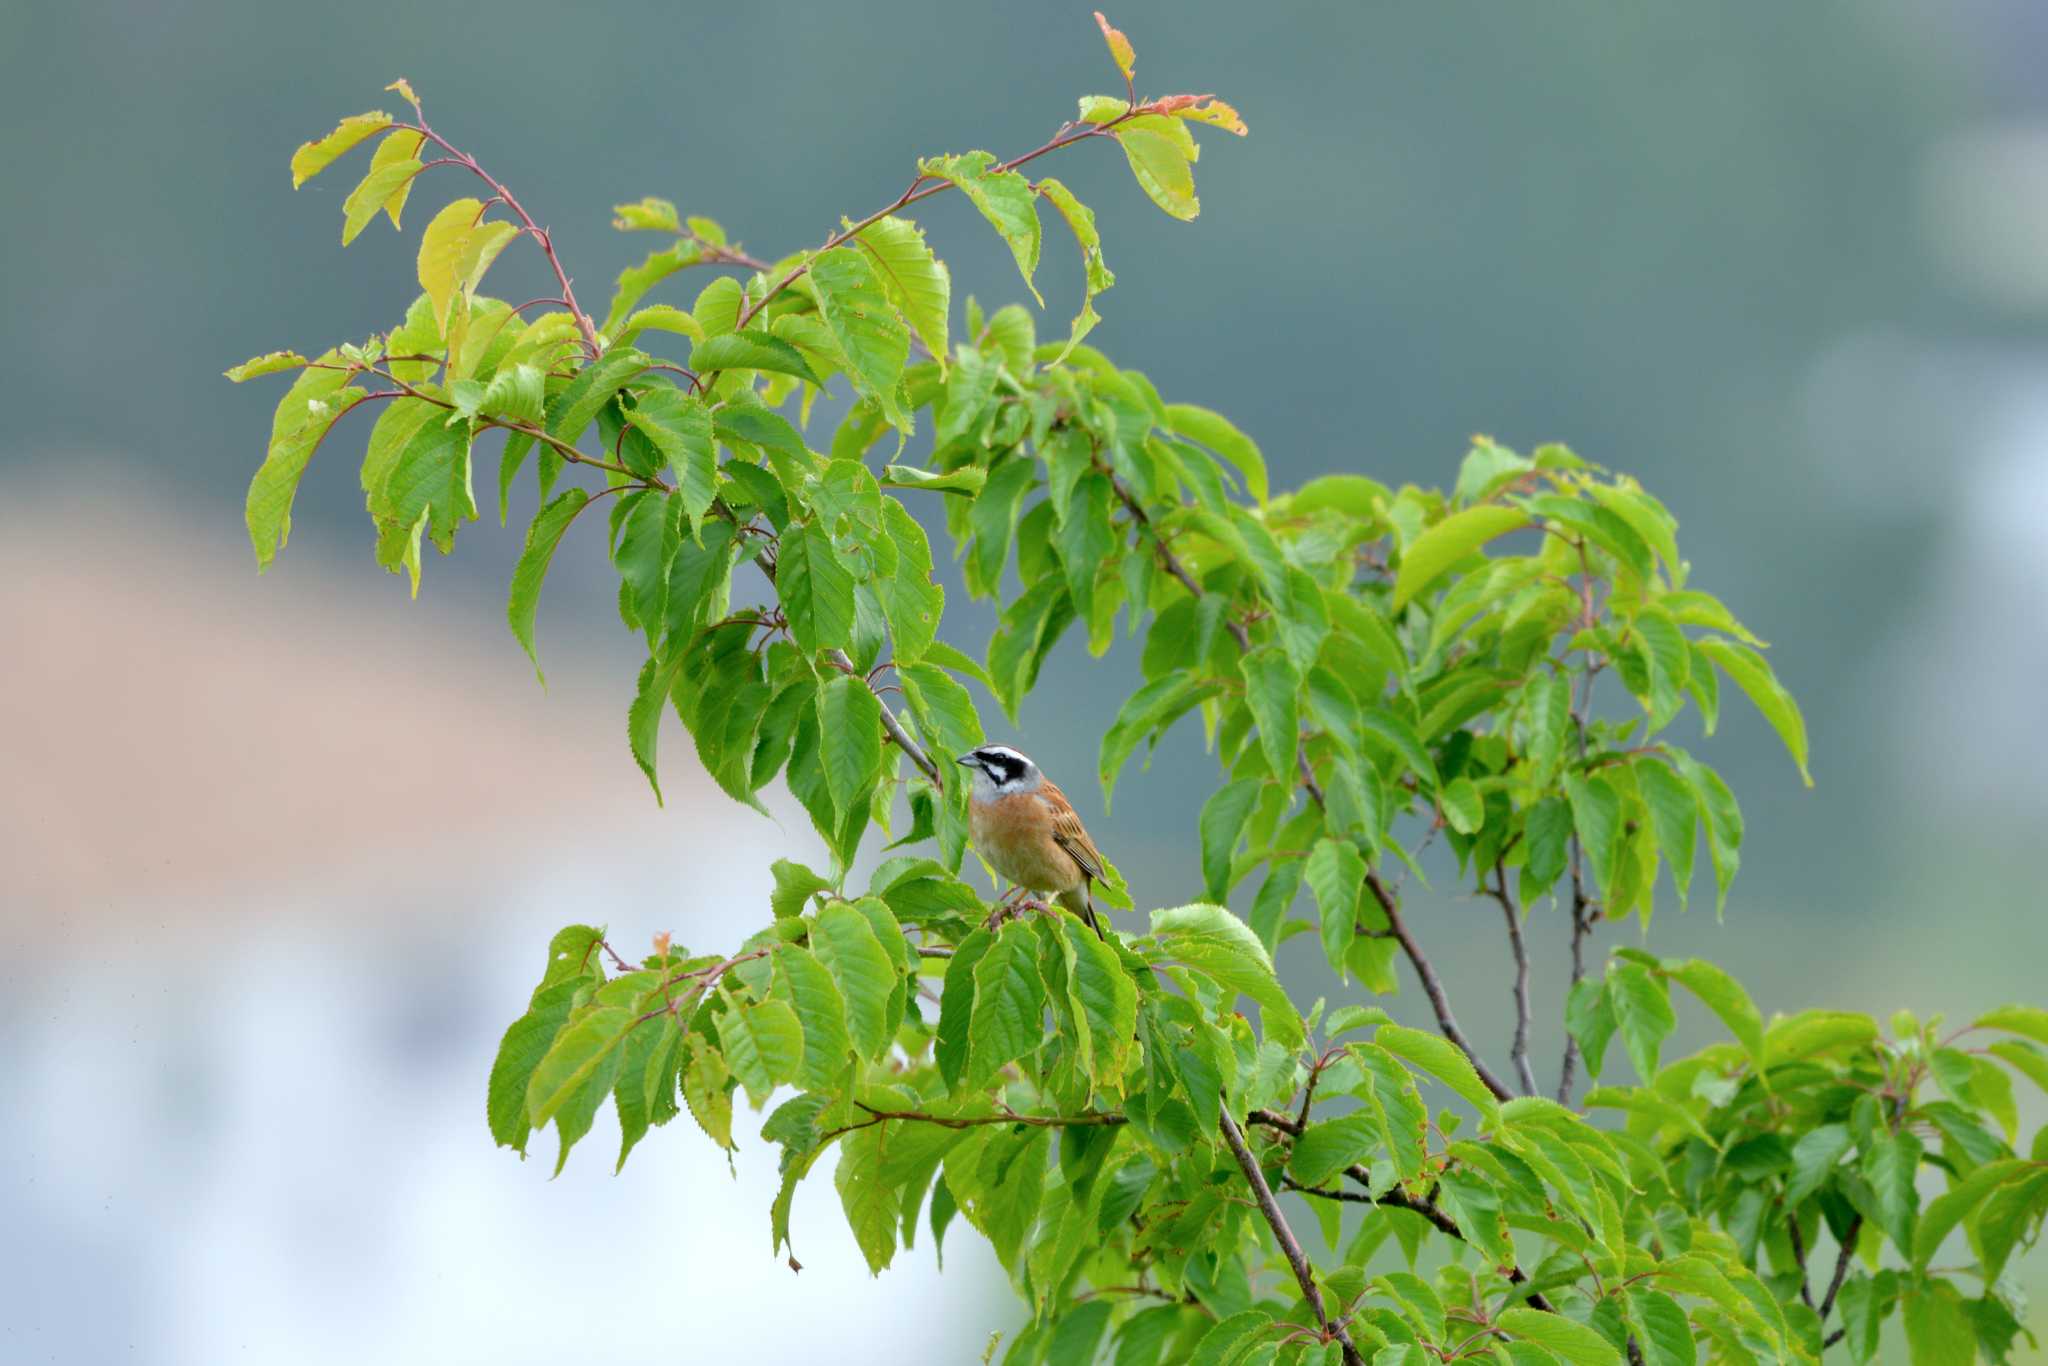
1079,902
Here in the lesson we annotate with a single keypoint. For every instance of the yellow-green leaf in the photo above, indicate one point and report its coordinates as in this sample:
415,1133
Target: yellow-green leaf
316,156
1451,540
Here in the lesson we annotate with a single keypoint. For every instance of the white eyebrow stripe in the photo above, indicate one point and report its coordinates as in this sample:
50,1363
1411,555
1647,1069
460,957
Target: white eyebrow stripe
1004,751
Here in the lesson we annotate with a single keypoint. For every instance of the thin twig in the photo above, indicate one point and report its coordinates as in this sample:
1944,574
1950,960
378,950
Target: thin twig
1798,1254
1518,1053
539,233
1433,986
1842,1260
917,191
1290,1246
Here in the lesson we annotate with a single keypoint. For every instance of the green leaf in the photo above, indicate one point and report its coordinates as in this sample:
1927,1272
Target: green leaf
1642,1010
316,156
1096,276
1160,166
967,480
750,350
1464,809
856,310
679,425
1663,1334
1382,725
1891,1162
1938,1328
849,738
1960,1201
1273,692
380,185
427,490
532,570
1596,813
1222,826
1328,1146
1726,997
795,885
1446,1062
1813,1160
1103,998
1214,942
1335,872
871,1201
2030,1021
914,603
1217,433
306,413
643,717
863,970
1723,820
1009,1004
956,1007
1005,200
1753,675
577,405
1674,814
764,1045
1589,1014
576,1057
1226,1343
1427,557
816,590
525,1043
644,540
916,281
269,363
1568,1341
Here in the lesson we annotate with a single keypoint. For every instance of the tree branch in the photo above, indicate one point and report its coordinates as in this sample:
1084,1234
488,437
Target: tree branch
539,233
1433,986
1842,1260
1067,136
1798,1254
1290,1247
1518,1053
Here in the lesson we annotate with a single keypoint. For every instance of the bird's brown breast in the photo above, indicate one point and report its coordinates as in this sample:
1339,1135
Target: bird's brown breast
1015,834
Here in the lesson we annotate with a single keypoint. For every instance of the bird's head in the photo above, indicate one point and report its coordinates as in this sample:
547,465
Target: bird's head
999,770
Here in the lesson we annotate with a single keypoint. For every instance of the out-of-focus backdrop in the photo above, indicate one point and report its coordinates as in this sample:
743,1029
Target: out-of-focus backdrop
278,857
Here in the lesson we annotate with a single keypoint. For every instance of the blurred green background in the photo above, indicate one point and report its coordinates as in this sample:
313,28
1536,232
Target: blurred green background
277,859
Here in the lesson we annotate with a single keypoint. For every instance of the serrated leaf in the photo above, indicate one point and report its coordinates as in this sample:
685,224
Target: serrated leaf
1273,692
764,1045
863,970
316,156
1095,274
679,425
916,281
870,336
1335,873
850,738
1754,676
1009,1004
1642,1010
316,400
1958,1202
371,194
1568,1341
542,536
575,1058
1726,997
269,363
1464,809
1429,555
1160,164
1222,826
1215,431
1213,941
1674,815
1103,998
1446,1062
750,350
816,590
1005,200
967,480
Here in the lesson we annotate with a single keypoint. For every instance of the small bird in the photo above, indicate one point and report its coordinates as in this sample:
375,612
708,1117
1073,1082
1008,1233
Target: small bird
1028,831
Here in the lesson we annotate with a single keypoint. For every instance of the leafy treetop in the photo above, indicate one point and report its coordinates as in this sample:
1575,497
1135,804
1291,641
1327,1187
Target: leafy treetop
1375,669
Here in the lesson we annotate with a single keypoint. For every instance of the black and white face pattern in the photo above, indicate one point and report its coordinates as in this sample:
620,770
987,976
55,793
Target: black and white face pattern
999,770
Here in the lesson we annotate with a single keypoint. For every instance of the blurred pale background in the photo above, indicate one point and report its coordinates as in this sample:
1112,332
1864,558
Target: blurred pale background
277,858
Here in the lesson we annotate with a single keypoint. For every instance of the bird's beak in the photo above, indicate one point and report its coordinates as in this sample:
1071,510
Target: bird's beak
965,761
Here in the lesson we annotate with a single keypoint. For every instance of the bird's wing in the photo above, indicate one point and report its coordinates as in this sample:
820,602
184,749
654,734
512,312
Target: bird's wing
1068,834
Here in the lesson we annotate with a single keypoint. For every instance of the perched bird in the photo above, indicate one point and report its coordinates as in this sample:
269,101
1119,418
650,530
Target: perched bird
1028,831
